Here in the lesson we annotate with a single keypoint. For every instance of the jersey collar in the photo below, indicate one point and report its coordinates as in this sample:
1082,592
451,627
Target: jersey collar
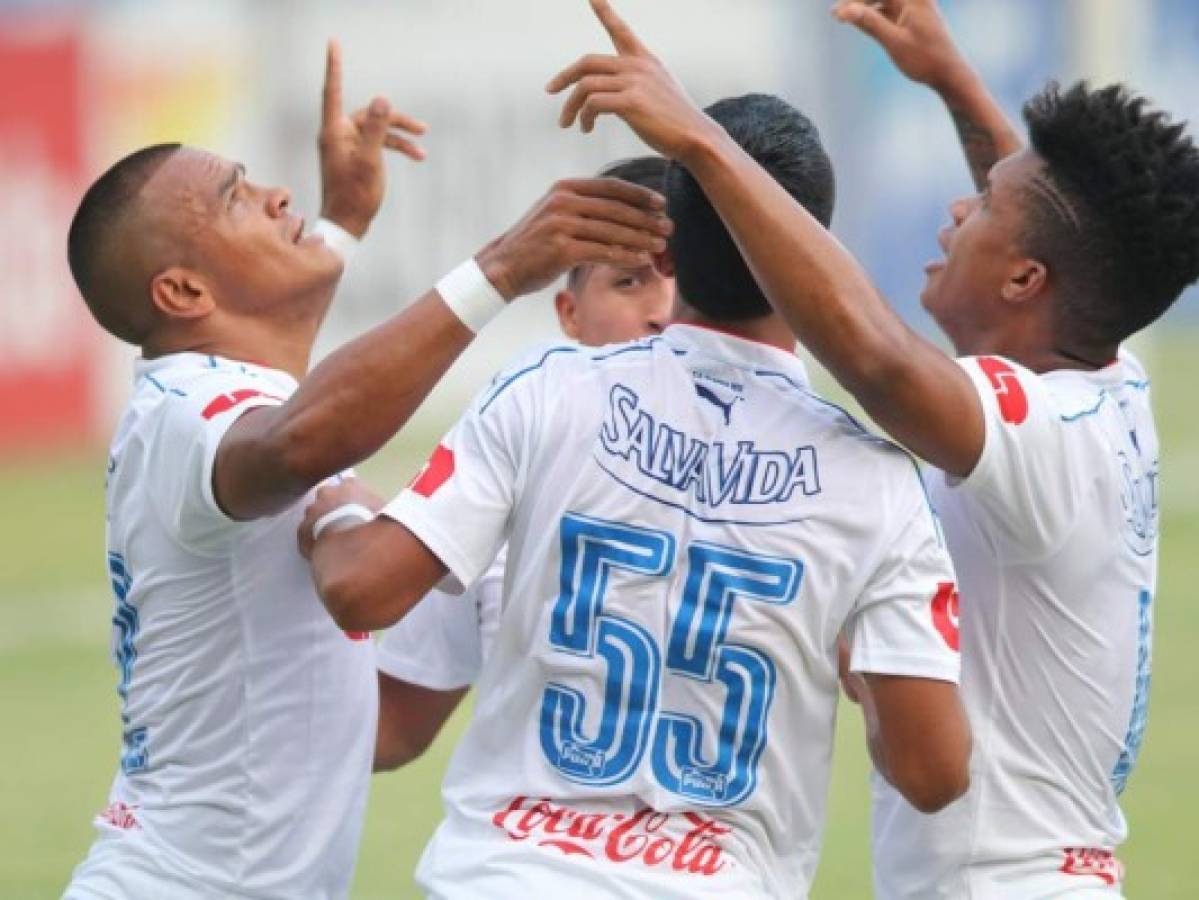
743,353
204,361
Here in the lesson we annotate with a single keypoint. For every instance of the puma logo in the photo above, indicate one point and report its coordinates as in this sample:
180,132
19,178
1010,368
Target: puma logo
706,393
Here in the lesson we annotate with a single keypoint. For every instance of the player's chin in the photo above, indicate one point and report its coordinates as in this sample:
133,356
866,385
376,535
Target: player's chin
316,256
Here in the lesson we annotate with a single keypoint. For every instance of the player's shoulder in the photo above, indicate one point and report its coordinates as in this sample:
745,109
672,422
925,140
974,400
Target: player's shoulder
880,466
191,389
1133,370
561,365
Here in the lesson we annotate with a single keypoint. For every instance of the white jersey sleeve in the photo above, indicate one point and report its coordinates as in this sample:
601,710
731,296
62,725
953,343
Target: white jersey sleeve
460,503
1028,477
906,620
187,433
442,642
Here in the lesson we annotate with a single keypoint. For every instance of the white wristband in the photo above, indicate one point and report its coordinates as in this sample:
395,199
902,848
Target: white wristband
336,238
345,512
470,296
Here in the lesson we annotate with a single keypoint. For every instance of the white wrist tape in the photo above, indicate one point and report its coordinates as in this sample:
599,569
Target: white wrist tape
470,296
344,513
336,238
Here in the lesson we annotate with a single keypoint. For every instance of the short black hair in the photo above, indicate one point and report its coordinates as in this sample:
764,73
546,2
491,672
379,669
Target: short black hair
97,229
1115,215
712,276
645,171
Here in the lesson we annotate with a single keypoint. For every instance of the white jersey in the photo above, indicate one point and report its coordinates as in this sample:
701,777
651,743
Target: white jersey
248,716
1054,536
689,529
442,641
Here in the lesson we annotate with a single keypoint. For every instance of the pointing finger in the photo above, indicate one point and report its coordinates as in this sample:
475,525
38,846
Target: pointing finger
623,38
331,101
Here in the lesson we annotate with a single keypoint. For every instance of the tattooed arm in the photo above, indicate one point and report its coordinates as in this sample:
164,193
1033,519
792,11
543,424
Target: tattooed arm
915,36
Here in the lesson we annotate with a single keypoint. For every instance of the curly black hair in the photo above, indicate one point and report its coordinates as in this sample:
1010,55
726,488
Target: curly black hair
1115,213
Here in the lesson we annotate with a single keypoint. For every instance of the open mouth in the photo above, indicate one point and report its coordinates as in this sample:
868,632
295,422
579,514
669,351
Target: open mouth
298,230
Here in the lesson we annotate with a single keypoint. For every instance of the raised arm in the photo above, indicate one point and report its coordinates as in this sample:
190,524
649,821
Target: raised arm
355,400
910,388
914,35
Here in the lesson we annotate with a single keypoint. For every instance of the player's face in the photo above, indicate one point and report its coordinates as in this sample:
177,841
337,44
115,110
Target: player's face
242,237
964,290
609,305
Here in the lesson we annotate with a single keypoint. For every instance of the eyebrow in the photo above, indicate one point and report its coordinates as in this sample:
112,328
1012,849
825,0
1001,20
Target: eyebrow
228,184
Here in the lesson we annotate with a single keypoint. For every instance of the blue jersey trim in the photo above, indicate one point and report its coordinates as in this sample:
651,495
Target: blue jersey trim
1088,412
523,372
158,384
1139,716
640,346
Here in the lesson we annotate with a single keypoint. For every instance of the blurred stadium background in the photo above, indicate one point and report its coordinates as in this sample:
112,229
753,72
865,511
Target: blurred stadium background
82,83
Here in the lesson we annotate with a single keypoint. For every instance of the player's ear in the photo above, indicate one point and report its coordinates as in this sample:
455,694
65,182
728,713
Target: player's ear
664,263
1026,279
179,293
567,308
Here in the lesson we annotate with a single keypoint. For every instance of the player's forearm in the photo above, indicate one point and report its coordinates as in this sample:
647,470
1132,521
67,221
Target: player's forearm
368,577
362,394
985,133
919,738
811,280
410,718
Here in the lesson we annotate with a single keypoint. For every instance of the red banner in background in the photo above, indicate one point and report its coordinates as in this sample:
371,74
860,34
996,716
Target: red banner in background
47,341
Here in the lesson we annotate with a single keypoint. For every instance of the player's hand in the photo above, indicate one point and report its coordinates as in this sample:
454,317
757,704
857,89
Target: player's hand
913,33
331,496
635,86
853,684
588,220
353,175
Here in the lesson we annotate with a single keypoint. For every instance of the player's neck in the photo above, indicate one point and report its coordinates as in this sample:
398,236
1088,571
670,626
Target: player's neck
770,330
1039,350
288,350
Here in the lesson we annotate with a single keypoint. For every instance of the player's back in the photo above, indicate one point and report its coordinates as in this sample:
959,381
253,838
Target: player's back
247,716
691,529
1054,537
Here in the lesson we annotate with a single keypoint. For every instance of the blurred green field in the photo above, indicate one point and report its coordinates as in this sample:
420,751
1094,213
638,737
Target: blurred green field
59,706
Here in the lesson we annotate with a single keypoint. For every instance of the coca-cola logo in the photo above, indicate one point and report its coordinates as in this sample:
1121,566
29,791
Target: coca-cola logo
120,815
687,842
1100,864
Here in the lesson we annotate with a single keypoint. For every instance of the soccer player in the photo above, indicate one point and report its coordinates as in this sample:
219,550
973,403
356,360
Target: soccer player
689,530
1042,432
431,657
248,716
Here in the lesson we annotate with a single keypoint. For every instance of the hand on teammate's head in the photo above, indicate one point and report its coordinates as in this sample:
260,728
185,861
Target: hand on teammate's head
579,222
